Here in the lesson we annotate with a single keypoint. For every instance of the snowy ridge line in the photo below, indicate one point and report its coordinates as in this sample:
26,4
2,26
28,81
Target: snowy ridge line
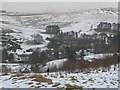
82,19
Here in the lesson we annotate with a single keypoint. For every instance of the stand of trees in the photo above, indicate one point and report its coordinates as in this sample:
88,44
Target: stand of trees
38,57
10,44
66,45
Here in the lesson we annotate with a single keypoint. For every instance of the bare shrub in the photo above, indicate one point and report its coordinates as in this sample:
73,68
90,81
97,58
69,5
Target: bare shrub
83,65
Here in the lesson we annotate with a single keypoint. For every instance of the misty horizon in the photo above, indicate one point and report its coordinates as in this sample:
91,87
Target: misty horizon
36,7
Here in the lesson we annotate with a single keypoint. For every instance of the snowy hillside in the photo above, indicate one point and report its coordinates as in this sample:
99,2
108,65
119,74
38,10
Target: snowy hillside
21,33
26,25
92,17
74,20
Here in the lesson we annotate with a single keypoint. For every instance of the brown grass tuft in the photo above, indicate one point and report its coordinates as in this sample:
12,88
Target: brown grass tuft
40,78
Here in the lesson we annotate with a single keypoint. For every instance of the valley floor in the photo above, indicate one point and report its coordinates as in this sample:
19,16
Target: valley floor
93,79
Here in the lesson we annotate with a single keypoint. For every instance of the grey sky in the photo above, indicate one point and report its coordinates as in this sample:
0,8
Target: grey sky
54,6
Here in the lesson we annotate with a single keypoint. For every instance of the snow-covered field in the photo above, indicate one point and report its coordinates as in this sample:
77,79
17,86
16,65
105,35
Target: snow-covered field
86,79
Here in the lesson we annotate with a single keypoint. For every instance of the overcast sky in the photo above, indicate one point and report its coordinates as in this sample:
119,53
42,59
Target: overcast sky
54,6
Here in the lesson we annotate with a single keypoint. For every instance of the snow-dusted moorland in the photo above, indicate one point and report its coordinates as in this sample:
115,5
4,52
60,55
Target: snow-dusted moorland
86,79
24,27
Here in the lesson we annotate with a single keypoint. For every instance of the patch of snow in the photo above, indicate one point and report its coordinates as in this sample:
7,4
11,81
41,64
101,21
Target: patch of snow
56,63
97,56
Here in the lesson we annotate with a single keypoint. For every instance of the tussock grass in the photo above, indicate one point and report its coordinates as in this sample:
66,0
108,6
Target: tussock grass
32,86
91,80
37,86
70,87
40,78
36,76
61,76
18,74
31,42
14,82
30,83
74,79
22,78
4,74
56,84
